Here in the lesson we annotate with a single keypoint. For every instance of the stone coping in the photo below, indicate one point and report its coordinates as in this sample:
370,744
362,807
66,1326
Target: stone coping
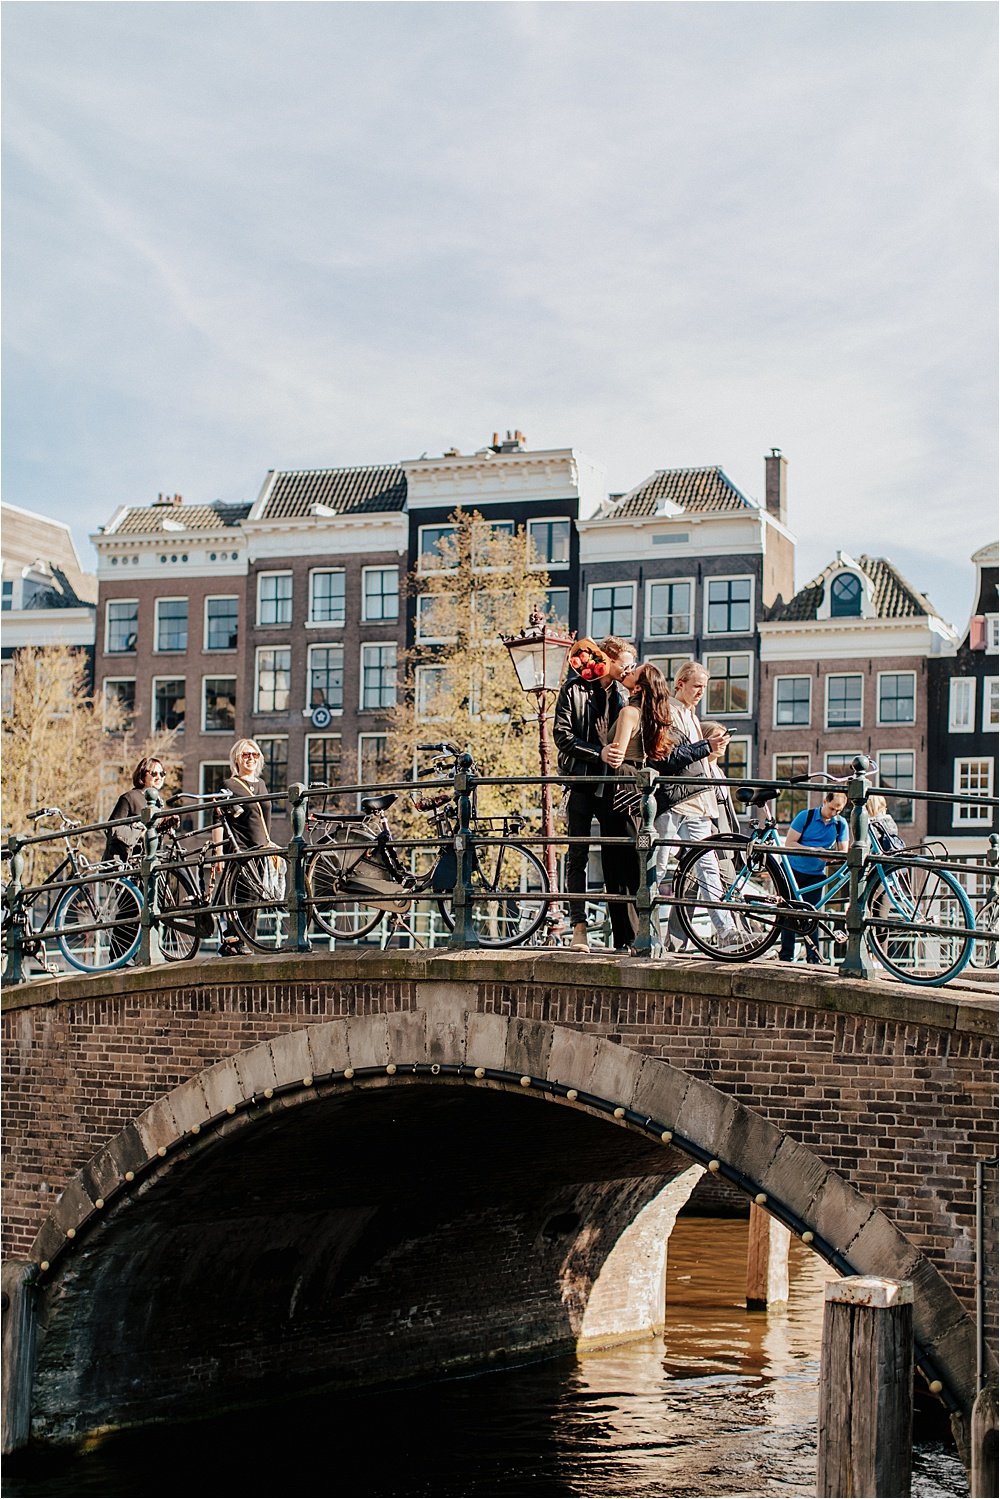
765,983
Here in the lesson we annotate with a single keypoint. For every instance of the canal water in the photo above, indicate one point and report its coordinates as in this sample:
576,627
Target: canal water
725,1406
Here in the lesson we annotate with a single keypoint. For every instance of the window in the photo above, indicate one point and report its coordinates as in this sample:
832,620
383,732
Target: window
897,768
669,665
790,803
436,617
729,685
323,757
792,702
211,775
551,542
326,676
379,593
221,623
7,686
555,607
430,556
972,777
897,697
487,554
218,705
843,702
378,676
8,595
612,610
991,703
169,705
327,604
121,626
274,771
274,599
119,704
993,633
430,691
838,763
373,759
491,612
171,624
669,609
845,596
728,606
274,676
962,705
735,763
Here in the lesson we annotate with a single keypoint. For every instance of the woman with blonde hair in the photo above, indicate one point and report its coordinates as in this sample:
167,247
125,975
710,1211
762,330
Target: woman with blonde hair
247,823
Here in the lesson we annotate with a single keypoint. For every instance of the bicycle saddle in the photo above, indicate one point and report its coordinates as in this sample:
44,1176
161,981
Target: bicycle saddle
751,798
378,803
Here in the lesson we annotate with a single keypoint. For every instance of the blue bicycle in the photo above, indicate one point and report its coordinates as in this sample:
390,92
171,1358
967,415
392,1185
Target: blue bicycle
919,924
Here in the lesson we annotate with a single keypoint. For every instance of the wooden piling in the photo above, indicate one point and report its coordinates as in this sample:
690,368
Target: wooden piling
18,1358
767,1261
985,1477
866,1390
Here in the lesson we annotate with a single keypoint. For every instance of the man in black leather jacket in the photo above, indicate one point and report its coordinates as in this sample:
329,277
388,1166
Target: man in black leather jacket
583,723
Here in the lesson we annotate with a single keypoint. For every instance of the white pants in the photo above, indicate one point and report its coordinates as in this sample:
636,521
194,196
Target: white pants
696,830
666,857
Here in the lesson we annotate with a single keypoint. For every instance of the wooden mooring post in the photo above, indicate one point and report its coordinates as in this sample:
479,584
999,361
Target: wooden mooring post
767,1261
866,1390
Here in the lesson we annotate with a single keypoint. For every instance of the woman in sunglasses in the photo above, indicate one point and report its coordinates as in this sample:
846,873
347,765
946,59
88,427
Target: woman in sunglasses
149,775
248,824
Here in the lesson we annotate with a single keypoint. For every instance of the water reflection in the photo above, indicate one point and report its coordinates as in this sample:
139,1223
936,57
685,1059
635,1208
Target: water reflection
727,1407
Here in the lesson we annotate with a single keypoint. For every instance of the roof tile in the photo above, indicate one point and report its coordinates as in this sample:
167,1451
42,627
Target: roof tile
294,493
698,490
892,596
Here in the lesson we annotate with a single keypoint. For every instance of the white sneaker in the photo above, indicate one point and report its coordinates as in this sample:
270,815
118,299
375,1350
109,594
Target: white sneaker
731,942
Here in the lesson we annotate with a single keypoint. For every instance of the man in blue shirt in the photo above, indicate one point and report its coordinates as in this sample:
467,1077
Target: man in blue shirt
821,828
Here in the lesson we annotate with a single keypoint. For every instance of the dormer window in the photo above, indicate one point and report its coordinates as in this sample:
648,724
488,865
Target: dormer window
845,596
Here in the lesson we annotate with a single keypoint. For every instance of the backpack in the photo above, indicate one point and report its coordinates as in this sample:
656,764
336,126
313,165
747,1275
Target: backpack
888,842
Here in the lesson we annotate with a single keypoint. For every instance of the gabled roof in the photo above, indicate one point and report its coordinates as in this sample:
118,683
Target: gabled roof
166,520
892,596
695,490
297,494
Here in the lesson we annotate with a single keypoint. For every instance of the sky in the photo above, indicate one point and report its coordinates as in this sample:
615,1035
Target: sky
245,236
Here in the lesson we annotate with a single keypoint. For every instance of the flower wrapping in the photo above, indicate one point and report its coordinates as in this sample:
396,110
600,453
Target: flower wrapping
588,660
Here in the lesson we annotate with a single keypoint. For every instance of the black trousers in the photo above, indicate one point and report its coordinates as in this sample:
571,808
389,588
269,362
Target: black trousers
620,864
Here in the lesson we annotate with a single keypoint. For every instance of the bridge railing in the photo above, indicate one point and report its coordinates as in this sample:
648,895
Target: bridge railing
459,829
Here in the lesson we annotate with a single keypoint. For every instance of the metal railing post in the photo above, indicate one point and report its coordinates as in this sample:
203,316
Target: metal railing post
645,853
149,933
464,933
855,964
295,892
14,968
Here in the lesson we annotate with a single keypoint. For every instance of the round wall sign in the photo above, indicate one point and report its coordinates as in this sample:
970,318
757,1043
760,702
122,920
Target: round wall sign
321,716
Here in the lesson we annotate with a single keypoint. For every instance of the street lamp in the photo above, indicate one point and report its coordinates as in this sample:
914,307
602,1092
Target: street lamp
538,655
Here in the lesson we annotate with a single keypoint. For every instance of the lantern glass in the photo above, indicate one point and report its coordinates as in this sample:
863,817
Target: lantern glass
539,657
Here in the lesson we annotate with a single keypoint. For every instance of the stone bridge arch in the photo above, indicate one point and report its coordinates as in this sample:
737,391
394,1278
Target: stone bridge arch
673,1120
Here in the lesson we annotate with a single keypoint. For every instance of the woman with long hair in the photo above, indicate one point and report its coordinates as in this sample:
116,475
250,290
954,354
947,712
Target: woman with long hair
248,826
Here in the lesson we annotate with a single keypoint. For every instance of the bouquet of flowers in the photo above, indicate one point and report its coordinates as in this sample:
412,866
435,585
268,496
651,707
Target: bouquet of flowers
588,659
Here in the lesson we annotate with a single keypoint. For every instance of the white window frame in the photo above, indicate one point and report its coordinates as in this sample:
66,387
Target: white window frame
837,727
267,738
891,723
992,634
440,526
961,714
706,583
420,675
312,623
170,598
376,645
418,634
106,681
703,709
784,728
504,527
747,740
905,793
326,645
559,588
628,583
991,704
216,598
790,754
215,677
844,757
370,619
152,702
660,661
305,750
279,572
551,520
107,622
651,583
206,816
961,815
256,678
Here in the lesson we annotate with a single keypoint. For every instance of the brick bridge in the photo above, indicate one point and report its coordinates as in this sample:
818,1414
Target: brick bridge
234,1178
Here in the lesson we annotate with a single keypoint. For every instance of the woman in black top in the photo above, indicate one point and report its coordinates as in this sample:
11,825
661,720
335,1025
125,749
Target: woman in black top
249,826
123,842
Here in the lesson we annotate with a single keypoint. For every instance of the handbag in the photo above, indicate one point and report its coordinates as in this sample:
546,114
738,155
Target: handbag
626,800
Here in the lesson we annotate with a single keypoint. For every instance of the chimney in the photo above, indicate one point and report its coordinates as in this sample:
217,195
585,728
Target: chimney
776,485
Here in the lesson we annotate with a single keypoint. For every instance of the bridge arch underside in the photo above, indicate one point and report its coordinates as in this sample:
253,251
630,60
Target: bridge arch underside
384,1196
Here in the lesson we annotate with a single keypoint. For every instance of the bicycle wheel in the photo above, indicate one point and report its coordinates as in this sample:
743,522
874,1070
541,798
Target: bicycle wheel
984,949
751,880
515,896
251,903
179,928
915,897
345,921
111,908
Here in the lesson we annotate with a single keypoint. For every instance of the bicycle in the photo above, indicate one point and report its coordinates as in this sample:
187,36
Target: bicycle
911,910
355,877
95,922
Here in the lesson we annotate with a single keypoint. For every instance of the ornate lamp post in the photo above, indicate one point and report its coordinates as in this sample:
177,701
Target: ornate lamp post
538,655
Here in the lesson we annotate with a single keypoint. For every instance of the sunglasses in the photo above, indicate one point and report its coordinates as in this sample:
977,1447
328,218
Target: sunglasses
157,775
